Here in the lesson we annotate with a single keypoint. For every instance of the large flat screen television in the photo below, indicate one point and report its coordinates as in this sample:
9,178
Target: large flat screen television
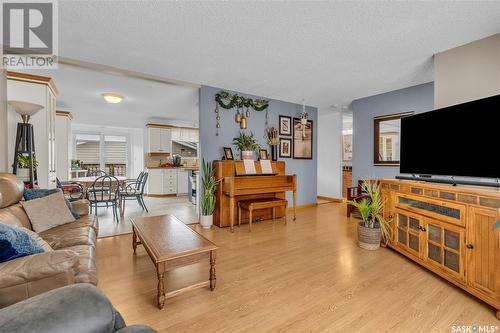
460,140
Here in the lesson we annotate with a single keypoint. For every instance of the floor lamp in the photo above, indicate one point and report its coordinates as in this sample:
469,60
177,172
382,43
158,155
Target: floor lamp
25,140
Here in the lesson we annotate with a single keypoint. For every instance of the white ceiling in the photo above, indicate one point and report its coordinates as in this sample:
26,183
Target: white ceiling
145,101
326,52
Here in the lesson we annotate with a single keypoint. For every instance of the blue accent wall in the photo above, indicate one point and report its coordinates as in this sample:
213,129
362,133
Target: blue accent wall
211,145
418,98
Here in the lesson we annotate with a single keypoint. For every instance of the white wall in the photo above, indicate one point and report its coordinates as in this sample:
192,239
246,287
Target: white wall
467,72
330,154
64,148
3,122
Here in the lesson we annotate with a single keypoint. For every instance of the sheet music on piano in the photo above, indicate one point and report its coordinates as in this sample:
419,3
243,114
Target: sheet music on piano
266,166
249,167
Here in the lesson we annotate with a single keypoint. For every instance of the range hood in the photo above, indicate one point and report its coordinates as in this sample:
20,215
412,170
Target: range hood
188,144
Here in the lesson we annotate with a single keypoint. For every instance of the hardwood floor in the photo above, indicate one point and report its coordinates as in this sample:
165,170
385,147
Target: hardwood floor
307,276
178,206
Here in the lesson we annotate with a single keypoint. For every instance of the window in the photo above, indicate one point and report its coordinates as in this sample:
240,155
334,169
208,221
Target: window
387,130
98,152
115,155
88,151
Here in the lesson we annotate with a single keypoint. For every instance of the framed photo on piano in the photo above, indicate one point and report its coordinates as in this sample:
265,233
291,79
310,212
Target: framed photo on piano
228,154
263,154
285,147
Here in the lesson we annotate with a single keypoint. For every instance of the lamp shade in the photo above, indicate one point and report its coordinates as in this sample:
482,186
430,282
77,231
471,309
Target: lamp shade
25,109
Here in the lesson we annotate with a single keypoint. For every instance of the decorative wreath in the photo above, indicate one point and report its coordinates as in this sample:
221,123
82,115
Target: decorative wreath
229,101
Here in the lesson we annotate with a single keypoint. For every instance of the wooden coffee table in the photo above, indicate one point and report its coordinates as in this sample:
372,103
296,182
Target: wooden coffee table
171,244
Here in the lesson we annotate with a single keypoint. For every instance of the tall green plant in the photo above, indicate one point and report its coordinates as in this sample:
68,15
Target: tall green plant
371,209
209,187
245,142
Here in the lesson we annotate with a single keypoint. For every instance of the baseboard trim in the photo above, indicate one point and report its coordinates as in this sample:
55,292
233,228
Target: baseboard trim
331,199
302,206
160,195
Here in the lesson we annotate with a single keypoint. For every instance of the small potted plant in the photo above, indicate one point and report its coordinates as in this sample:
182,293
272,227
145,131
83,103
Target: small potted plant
23,167
76,164
373,228
208,201
246,144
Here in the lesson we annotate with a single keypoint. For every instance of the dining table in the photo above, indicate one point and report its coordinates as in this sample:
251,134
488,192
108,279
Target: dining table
87,182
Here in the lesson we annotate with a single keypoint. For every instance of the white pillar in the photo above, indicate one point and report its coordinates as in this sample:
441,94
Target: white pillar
330,154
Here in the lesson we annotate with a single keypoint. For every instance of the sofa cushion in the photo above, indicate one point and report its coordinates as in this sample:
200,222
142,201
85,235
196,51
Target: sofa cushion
11,188
16,243
15,215
79,232
31,275
81,207
87,271
46,247
31,194
48,212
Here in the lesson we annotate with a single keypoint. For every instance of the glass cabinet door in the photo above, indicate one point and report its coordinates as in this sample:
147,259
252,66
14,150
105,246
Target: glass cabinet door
408,228
444,247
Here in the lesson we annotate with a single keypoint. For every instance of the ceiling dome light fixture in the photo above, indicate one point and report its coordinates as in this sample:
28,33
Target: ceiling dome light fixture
112,98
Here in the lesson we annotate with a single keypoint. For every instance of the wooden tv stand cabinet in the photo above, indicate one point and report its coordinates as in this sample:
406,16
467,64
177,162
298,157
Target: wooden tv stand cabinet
453,231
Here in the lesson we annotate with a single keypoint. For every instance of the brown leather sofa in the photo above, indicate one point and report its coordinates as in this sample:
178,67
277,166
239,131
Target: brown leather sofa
71,261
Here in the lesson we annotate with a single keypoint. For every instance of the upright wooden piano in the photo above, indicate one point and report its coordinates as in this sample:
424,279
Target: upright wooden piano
235,185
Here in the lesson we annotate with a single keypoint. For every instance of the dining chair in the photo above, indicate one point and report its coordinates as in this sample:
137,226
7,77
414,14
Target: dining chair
97,173
110,197
134,191
74,190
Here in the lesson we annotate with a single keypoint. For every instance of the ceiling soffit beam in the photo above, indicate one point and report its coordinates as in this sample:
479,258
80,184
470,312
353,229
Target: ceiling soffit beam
125,72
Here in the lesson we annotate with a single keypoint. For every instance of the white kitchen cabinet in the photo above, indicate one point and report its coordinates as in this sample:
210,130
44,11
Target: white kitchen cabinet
159,139
165,140
185,134
162,181
154,139
170,181
155,181
39,90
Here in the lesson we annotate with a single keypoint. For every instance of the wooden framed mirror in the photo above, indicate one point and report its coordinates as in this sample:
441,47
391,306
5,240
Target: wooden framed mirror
387,133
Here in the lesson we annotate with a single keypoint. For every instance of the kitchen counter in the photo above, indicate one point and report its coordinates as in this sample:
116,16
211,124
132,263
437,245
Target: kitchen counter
176,168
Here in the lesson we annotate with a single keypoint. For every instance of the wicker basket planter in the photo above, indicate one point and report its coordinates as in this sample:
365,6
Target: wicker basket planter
369,238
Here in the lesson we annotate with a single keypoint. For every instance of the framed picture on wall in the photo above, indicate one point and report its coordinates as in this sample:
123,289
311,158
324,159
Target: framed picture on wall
302,139
285,147
228,153
285,125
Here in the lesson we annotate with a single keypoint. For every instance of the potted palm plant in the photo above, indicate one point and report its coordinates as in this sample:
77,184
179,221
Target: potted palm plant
373,228
208,201
246,144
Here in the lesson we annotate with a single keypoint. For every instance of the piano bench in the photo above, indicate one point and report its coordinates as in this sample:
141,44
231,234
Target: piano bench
251,205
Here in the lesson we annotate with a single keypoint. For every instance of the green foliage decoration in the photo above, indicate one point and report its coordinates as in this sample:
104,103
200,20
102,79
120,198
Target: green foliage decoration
229,101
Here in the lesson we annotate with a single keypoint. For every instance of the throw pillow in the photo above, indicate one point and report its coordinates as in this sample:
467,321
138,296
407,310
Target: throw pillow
47,212
15,243
40,193
36,237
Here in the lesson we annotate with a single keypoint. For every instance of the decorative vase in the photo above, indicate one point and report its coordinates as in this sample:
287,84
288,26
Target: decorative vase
247,154
274,152
369,238
23,174
206,221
